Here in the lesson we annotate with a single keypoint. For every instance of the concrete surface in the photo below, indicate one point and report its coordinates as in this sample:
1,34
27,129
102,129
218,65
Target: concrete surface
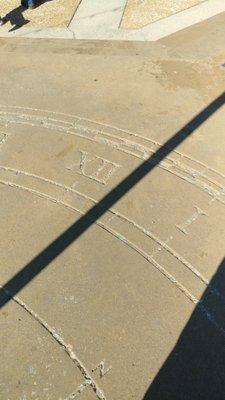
139,13
127,303
103,20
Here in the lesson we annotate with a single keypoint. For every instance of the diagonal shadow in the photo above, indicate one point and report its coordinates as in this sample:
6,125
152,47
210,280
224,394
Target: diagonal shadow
54,249
195,369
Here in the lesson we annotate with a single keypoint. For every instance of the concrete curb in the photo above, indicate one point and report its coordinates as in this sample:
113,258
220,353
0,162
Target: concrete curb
101,21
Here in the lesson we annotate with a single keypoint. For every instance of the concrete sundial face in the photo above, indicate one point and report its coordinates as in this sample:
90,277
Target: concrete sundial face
111,297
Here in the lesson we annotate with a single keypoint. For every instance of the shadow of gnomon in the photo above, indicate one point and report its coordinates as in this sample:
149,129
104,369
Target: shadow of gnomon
60,244
195,369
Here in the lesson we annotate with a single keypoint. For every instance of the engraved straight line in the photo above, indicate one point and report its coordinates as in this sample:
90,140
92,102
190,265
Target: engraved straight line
59,339
77,118
120,216
195,182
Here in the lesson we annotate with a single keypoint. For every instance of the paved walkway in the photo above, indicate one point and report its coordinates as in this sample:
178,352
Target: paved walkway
49,14
112,196
139,13
135,20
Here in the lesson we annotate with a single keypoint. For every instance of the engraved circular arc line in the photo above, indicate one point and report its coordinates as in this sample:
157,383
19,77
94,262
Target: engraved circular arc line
111,231
107,126
195,182
142,253
77,119
118,215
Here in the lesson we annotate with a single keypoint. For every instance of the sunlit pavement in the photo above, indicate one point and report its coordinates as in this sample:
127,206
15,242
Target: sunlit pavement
112,190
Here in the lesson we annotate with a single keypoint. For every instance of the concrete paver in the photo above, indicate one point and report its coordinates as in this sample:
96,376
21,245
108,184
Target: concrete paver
50,13
117,299
105,20
139,13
